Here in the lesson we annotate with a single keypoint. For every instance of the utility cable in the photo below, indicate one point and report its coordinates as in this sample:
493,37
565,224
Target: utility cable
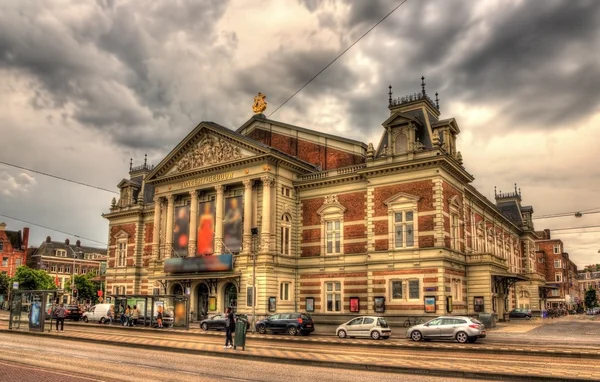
58,177
338,56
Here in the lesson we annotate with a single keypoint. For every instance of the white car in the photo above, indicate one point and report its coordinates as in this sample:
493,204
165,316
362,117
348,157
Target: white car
366,326
97,313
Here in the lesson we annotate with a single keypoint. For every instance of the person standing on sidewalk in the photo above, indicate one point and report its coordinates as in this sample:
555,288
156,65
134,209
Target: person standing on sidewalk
229,328
60,314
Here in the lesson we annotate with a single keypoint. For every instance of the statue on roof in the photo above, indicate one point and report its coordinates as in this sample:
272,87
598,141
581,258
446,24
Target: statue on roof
260,103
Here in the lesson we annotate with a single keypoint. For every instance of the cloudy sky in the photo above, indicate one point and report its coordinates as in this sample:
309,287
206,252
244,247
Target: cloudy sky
84,86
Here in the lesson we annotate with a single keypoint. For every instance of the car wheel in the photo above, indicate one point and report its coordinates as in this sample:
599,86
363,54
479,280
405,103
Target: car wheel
528,317
416,336
204,326
472,340
85,319
261,329
102,320
292,331
375,335
342,334
461,337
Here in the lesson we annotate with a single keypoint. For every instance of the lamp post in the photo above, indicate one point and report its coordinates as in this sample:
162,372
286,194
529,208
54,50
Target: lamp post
254,294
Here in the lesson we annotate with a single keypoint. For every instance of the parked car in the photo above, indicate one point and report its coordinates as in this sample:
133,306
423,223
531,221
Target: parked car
217,321
461,329
368,326
72,312
97,313
290,323
520,313
593,311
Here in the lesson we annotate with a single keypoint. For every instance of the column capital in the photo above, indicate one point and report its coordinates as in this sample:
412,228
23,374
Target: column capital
247,183
219,188
170,198
194,194
157,199
267,180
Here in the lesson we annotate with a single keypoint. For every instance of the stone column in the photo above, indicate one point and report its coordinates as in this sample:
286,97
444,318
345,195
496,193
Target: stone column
193,223
265,232
247,237
169,229
219,219
156,227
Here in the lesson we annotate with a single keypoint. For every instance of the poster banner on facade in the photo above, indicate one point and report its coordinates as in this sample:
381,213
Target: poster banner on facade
181,230
220,263
233,224
430,304
206,228
310,304
354,304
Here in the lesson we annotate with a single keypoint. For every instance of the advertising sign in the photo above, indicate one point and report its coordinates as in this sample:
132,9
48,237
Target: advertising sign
430,304
212,304
354,304
379,303
272,304
179,319
310,304
206,228
233,224
15,285
181,230
217,263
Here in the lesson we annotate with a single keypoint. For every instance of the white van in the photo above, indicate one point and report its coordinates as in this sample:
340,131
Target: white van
97,313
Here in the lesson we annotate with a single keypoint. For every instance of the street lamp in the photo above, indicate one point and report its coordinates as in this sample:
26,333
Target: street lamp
254,232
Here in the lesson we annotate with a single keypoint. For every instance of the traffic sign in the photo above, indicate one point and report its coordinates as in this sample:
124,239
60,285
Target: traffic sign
15,285
100,293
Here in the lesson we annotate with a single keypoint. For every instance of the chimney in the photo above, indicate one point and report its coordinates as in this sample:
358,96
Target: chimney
67,241
2,226
547,234
48,239
25,240
78,243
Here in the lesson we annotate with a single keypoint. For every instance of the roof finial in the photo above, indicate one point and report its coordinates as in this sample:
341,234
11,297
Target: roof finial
515,188
495,193
423,85
390,94
130,164
145,159
519,191
437,101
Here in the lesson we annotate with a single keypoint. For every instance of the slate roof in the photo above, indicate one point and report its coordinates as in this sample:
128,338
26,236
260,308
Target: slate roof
49,249
510,209
15,239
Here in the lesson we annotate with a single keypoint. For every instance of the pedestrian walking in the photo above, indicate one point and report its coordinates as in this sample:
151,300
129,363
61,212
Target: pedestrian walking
135,315
60,313
159,317
127,316
229,328
111,314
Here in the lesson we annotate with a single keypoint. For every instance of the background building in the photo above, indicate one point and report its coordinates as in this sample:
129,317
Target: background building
587,278
13,249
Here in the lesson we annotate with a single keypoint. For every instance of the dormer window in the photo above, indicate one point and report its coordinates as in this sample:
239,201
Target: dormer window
61,253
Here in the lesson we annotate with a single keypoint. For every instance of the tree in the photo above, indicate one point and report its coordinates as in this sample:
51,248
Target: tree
591,300
86,288
33,279
4,284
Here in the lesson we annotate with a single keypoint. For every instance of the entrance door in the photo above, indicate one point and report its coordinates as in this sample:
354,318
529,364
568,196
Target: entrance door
231,296
202,301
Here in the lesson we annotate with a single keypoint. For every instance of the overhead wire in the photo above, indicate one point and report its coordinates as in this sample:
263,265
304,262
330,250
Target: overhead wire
336,58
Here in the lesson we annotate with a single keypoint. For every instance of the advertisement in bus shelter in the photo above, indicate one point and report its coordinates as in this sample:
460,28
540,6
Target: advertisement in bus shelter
206,228
233,225
181,230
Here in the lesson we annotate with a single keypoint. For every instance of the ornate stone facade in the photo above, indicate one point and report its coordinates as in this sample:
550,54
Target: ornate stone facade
208,151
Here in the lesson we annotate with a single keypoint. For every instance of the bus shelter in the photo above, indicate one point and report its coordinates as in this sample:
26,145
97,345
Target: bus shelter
175,308
35,306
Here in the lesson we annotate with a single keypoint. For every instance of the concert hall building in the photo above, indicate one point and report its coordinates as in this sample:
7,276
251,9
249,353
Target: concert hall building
339,227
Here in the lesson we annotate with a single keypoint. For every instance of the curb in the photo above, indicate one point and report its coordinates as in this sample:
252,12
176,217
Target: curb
332,364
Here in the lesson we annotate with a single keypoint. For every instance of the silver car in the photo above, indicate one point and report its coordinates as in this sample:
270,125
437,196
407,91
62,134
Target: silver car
368,326
461,329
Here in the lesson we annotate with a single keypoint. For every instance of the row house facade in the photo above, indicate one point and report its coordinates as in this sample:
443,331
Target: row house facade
589,278
560,272
13,249
338,227
63,260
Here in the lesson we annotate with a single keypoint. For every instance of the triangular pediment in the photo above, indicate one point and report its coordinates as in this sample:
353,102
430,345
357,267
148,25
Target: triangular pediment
401,198
208,145
400,119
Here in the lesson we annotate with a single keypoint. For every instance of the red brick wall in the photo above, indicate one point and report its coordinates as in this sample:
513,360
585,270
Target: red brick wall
311,235
449,191
426,223
12,254
311,251
426,241
381,244
148,232
321,155
422,189
309,211
355,203
129,228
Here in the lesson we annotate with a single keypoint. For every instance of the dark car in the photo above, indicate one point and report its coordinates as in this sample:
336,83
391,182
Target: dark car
72,312
217,321
290,323
520,313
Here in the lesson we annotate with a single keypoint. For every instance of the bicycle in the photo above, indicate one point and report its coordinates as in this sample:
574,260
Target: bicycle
417,321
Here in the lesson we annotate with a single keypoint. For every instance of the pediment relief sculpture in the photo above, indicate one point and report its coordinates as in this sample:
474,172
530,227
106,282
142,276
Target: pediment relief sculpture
208,151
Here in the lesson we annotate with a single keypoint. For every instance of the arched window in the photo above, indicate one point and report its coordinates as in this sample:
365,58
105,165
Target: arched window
286,235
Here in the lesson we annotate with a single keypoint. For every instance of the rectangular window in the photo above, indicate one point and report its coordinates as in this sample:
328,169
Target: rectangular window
556,249
556,263
333,236
61,253
454,232
61,269
558,277
404,234
67,269
555,293
413,290
457,290
18,262
5,261
284,291
122,254
396,289
285,191
53,268
334,296
1,245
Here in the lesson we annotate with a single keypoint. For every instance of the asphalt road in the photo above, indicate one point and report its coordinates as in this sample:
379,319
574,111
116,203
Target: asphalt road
25,358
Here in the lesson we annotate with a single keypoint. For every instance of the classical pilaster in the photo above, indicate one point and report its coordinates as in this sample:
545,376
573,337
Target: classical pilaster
247,237
219,219
193,223
265,232
169,229
156,227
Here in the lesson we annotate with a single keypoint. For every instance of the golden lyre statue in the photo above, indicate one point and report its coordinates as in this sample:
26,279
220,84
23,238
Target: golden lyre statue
260,103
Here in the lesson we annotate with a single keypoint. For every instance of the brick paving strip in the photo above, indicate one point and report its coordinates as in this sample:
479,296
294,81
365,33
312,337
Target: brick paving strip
508,369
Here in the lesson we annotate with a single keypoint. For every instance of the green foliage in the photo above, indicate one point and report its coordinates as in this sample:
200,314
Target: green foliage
33,279
591,300
86,288
4,284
